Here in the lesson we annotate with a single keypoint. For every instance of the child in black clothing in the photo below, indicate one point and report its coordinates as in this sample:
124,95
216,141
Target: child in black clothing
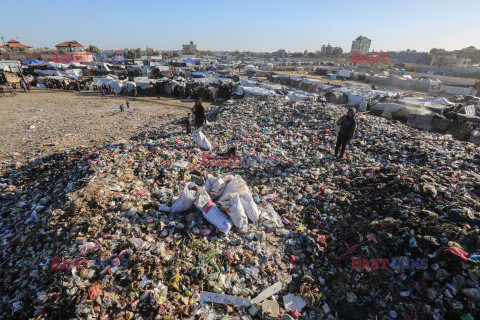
188,123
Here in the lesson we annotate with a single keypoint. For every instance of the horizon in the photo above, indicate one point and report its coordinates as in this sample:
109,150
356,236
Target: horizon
251,26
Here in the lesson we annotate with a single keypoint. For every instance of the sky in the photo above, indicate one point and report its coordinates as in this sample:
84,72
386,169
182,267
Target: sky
247,25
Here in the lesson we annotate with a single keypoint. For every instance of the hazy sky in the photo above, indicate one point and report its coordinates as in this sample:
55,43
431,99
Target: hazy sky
260,25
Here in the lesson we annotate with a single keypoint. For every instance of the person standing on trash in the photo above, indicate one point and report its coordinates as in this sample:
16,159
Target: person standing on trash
199,112
347,125
188,123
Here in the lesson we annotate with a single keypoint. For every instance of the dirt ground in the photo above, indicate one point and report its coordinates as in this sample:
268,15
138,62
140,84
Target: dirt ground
40,122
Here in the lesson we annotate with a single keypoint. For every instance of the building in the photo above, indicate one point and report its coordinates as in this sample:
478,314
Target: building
70,46
470,49
361,44
14,45
189,48
281,53
448,59
71,51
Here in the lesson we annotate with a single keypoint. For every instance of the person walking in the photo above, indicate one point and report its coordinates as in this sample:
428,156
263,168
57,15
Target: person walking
347,125
114,92
199,112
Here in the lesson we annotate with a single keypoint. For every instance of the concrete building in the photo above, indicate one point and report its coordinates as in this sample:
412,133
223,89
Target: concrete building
361,44
189,48
70,46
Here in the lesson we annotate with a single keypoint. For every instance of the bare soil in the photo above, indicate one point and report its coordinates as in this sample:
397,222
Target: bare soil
41,122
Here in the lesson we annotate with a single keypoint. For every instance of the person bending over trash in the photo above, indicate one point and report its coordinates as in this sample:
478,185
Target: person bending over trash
199,112
347,125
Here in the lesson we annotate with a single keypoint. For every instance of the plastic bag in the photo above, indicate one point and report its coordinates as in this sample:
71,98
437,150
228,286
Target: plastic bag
269,214
232,205
216,217
201,140
202,199
237,185
215,187
234,184
186,200
250,207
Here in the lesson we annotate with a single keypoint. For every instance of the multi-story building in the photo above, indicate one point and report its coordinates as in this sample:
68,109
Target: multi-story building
189,48
71,51
361,44
281,53
70,46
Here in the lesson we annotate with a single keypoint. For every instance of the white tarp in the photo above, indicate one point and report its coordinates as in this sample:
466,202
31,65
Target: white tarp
212,80
301,95
10,66
142,82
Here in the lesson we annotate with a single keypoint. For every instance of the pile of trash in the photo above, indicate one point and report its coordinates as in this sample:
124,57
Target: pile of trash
264,225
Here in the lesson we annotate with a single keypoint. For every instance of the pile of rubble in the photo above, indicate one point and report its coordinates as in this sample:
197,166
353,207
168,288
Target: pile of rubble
390,233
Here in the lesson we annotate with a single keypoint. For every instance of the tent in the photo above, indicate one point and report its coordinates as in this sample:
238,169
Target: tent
32,61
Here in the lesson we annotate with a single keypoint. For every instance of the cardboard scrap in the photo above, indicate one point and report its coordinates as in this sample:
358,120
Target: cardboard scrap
267,293
224,299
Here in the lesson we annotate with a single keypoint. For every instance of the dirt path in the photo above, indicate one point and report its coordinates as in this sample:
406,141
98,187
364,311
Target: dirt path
40,122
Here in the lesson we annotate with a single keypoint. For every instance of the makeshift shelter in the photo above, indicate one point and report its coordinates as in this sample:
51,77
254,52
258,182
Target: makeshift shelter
32,62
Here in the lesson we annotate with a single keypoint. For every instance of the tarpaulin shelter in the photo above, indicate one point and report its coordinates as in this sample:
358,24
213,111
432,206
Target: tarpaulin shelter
32,61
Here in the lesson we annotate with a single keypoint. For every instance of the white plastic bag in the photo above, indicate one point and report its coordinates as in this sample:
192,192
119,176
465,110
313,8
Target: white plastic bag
216,217
270,216
215,187
186,200
236,185
234,208
250,207
201,140
202,199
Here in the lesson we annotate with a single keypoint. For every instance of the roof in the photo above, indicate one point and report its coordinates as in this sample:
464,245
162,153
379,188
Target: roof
118,52
14,44
361,38
69,44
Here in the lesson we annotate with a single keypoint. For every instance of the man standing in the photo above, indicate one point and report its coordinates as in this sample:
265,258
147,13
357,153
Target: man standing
347,125
199,112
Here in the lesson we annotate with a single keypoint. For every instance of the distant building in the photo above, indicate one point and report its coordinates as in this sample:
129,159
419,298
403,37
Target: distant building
361,44
328,50
15,45
70,46
71,51
448,59
189,48
281,53
470,49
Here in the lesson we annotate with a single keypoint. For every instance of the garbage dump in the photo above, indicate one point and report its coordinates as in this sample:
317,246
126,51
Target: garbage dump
140,229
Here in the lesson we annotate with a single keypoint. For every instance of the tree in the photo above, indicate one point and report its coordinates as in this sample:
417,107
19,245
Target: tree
337,51
93,49
138,53
130,54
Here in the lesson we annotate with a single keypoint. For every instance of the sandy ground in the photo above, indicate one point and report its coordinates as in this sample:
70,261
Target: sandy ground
40,122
